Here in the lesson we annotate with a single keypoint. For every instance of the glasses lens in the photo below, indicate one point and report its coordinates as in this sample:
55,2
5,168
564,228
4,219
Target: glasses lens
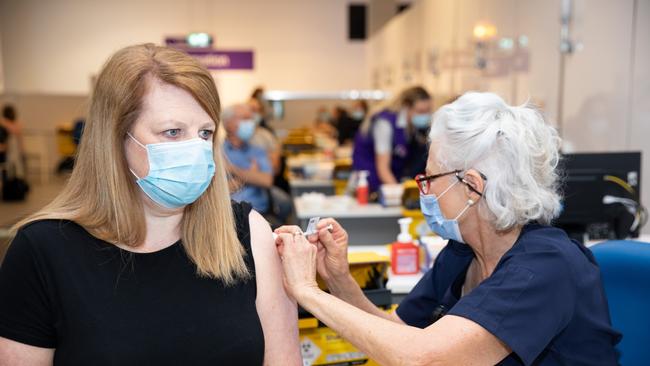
423,184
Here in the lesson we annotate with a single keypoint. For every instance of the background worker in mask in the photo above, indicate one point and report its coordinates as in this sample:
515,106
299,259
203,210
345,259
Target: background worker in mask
418,145
249,164
381,146
143,258
507,289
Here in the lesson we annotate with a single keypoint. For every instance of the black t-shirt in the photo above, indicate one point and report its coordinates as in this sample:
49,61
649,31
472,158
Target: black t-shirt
97,304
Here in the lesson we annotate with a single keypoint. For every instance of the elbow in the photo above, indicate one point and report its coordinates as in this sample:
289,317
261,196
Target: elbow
433,355
426,359
421,354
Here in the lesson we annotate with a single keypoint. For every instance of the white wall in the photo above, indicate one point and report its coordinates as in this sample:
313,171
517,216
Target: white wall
53,47
440,33
606,100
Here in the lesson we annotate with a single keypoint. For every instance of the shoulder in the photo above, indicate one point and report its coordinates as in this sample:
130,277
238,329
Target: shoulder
548,252
241,211
251,225
43,232
382,127
261,234
264,133
538,239
48,241
262,246
385,114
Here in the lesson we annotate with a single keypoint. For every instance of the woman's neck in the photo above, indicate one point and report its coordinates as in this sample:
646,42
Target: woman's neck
489,246
163,227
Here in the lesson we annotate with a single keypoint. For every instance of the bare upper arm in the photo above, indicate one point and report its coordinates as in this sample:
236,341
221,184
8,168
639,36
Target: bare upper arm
460,341
278,313
18,354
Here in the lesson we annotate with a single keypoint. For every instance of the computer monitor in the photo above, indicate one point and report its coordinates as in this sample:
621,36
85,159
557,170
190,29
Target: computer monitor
601,195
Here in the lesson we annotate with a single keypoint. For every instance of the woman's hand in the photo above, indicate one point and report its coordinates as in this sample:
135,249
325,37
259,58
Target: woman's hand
332,247
332,255
298,263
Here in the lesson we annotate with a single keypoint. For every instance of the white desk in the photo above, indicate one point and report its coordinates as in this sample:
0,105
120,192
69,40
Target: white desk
398,285
369,224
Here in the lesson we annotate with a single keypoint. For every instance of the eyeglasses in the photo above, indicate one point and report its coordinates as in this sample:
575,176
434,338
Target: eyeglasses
424,181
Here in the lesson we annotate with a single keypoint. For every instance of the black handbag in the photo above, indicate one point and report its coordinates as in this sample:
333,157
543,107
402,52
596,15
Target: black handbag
13,187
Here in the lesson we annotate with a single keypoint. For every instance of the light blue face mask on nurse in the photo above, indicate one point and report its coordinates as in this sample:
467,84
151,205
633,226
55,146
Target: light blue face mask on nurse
421,121
446,228
179,172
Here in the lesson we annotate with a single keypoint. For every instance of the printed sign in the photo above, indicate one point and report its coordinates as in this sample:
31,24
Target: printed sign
223,60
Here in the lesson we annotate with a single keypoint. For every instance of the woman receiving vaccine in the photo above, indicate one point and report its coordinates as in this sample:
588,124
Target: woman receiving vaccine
143,258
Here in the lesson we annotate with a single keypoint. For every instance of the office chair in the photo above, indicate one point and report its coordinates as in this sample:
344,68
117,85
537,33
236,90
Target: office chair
625,271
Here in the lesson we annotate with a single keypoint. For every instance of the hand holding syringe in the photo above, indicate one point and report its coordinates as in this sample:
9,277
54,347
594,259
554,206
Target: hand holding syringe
311,228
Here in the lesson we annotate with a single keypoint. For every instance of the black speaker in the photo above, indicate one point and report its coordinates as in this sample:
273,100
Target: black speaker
357,21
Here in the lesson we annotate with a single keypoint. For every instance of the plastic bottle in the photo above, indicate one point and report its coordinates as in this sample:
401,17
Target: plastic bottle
362,188
405,255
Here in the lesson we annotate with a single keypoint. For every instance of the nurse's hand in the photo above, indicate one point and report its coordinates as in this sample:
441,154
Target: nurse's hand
332,255
332,251
298,263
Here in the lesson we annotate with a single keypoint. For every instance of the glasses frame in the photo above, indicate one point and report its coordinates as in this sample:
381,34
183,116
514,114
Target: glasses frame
424,181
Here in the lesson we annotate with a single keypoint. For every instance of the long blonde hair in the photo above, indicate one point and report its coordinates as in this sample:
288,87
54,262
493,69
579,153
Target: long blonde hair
101,194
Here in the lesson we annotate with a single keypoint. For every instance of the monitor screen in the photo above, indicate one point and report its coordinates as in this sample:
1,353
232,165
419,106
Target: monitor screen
599,191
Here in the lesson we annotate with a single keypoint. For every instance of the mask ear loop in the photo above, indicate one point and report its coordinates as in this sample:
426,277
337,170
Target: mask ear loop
144,147
470,202
136,141
446,190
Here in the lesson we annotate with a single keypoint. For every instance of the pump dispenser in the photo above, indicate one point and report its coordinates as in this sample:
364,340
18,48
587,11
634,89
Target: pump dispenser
405,255
362,188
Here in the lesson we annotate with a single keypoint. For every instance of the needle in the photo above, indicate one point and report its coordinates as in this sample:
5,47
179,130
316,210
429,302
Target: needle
329,228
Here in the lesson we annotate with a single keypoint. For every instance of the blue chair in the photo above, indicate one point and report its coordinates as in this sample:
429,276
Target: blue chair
625,270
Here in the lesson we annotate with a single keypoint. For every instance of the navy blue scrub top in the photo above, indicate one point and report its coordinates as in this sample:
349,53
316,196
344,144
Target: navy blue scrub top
545,300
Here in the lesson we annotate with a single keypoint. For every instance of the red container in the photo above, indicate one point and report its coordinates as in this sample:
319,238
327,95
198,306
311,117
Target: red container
405,258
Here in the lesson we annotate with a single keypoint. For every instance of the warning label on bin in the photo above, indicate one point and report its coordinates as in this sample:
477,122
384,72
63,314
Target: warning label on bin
309,351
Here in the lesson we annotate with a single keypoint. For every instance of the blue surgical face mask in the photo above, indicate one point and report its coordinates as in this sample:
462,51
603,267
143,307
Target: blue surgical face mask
358,114
445,228
421,121
246,129
179,172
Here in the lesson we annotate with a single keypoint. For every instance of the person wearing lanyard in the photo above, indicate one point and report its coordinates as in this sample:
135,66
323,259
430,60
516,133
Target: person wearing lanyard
507,289
381,146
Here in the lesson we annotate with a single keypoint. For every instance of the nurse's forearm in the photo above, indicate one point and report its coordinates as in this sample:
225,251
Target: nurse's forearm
349,291
386,342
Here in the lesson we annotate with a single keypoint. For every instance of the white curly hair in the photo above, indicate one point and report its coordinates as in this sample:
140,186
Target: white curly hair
512,145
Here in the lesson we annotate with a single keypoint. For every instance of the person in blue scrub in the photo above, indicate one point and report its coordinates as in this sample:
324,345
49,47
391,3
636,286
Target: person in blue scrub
508,289
381,146
248,164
